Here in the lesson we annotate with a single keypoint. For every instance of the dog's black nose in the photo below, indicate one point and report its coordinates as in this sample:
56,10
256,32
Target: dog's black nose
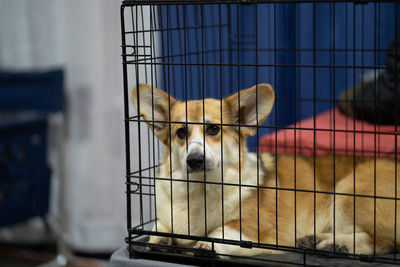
195,161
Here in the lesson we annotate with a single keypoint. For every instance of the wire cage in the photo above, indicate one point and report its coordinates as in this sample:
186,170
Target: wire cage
321,186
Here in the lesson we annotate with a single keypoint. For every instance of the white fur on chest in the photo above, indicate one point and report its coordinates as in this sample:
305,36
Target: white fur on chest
188,201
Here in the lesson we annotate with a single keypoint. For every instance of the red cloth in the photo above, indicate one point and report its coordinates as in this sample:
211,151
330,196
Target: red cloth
330,124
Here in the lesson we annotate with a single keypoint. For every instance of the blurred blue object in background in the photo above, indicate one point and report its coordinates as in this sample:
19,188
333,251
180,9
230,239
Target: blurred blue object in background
26,99
38,91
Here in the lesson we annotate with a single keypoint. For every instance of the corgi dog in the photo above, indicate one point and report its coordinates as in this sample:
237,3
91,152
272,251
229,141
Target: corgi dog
210,185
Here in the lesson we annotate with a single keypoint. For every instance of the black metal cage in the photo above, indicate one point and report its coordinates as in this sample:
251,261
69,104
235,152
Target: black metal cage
333,67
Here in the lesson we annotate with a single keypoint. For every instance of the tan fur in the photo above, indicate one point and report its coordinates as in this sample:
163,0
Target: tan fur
274,213
324,179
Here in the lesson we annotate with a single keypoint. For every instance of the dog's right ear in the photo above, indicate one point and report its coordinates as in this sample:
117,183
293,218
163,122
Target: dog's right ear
155,106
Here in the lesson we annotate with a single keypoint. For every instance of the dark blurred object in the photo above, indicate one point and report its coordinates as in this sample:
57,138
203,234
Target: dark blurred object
38,91
26,99
377,100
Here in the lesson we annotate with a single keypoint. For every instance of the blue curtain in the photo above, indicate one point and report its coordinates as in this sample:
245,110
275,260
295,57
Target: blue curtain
308,52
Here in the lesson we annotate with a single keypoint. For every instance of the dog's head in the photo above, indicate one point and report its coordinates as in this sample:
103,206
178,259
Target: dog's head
202,133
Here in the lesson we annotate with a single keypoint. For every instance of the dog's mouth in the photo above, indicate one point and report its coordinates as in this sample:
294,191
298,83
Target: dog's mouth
203,169
197,170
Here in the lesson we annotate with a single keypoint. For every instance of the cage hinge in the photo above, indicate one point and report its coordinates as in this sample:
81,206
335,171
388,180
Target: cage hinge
366,258
246,244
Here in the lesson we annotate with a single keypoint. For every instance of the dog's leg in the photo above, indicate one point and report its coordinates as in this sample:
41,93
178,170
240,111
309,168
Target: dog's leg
225,250
162,240
167,241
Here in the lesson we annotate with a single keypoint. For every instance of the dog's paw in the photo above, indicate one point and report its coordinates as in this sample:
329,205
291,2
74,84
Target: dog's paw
204,249
203,245
328,246
308,241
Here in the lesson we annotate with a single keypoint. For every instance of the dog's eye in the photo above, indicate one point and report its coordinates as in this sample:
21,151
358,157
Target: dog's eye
212,130
181,132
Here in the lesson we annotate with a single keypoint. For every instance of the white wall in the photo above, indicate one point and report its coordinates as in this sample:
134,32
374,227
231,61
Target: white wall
83,37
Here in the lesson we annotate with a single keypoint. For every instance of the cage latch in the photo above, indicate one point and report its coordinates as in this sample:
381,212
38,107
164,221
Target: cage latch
246,244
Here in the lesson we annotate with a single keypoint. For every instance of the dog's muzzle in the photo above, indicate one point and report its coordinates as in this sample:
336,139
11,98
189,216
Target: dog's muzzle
195,162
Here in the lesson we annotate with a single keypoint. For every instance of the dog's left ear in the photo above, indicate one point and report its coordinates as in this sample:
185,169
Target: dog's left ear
254,107
155,106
